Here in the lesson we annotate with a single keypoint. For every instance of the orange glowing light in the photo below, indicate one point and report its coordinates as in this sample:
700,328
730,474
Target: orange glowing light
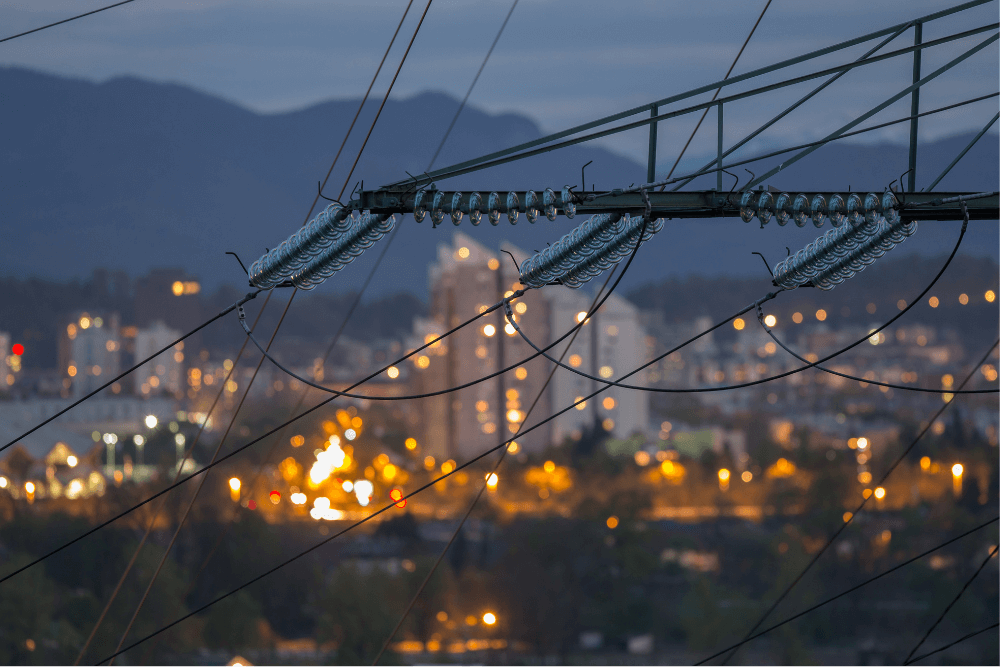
397,496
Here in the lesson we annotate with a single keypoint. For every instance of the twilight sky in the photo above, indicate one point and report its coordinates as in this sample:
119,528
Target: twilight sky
559,62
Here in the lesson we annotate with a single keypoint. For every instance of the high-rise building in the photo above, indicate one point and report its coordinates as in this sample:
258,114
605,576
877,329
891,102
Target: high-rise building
165,373
466,279
610,344
89,353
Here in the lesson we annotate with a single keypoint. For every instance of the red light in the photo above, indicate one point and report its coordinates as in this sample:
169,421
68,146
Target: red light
17,349
396,494
275,497
252,505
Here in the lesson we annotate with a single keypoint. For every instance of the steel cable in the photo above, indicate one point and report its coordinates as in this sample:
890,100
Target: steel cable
849,591
993,552
864,502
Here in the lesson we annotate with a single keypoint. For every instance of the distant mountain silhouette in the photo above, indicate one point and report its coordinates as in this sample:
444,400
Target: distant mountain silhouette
129,174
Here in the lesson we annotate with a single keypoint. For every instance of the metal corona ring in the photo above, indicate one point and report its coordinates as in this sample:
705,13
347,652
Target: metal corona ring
587,251
293,253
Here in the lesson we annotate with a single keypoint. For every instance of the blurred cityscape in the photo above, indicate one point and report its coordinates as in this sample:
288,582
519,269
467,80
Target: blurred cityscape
648,498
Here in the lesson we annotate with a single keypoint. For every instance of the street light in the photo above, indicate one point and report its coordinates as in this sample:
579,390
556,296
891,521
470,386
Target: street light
234,489
489,618
956,478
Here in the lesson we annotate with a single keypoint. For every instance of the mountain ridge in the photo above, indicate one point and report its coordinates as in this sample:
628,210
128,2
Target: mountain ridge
131,174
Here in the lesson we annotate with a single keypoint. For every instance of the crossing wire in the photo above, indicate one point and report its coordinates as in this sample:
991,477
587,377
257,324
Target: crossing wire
316,407
551,417
864,502
756,305
472,85
957,641
159,508
110,382
865,381
326,178
201,484
72,18
259,475
712,169
444,476
449,171
371,274
851,590
503,454
294,292
717,91
993,552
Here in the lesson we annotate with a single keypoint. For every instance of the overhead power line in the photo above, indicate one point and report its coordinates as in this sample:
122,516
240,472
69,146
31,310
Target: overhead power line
606,384
457,469
289,303
756,305
503,453
472,85
802,100
957,641
890,385
72,18
448,171
864,502
118,377
993,552
162,504
719,89
201,483
849,591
